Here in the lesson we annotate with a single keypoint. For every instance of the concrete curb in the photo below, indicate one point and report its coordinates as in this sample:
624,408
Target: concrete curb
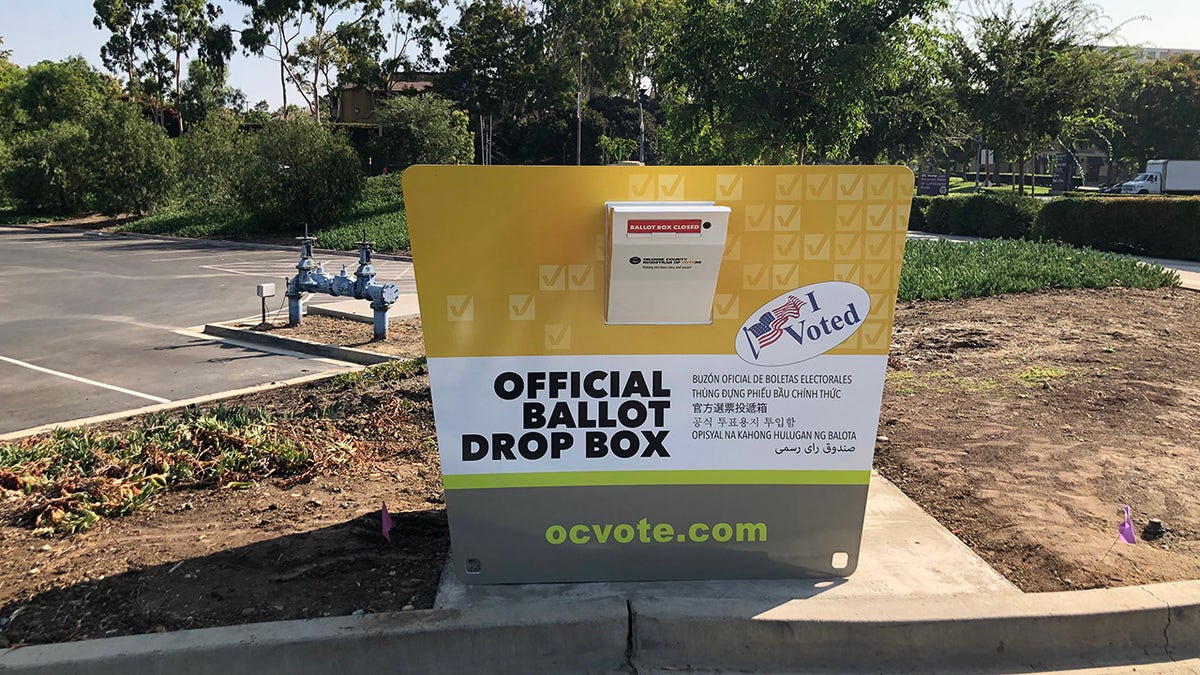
340,314
1138,624
589,637
247,244
347,354
1155,624
221,243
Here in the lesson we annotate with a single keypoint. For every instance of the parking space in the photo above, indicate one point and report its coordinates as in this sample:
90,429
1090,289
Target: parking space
93,325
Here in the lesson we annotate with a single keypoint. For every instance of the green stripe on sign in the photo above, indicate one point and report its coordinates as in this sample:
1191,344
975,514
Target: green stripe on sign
598,478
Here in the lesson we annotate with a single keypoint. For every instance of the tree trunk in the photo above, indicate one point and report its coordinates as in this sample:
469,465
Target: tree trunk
317,76
283,71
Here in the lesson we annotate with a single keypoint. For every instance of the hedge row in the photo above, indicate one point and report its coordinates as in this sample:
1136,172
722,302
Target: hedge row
1159,227
1166,227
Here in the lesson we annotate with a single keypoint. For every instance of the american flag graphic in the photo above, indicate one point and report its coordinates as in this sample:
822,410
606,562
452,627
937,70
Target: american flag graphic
770,325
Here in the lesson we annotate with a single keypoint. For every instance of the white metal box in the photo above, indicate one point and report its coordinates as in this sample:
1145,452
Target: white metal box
663,261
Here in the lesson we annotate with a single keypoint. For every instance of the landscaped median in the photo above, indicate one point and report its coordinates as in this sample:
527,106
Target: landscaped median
271,505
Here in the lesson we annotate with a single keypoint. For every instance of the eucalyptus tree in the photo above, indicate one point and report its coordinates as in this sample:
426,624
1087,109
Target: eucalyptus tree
403,36
151,40
498,67
278,28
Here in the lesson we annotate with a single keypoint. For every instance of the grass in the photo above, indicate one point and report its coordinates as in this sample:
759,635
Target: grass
383,373
379,213
1039,374
78,476
960,186
937,270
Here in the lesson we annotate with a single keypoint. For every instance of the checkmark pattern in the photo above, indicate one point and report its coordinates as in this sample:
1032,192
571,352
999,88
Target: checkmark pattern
729,187
521,308
557,336
789,227
809,225
460,308
725,307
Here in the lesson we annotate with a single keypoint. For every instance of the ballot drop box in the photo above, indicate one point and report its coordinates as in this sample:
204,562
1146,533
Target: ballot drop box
654,373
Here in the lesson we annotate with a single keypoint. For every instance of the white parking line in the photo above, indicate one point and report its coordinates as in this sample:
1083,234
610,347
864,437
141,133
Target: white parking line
84,380
190,257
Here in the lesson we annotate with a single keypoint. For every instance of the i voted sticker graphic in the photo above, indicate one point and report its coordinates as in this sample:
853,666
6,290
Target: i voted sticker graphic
803,323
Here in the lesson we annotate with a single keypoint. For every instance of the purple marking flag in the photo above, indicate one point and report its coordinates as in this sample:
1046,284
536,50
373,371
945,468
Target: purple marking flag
386,521
1125,531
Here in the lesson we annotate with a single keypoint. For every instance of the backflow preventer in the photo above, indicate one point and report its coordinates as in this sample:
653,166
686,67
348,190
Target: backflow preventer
312,278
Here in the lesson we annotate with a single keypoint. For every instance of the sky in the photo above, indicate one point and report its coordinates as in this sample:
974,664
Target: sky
37,30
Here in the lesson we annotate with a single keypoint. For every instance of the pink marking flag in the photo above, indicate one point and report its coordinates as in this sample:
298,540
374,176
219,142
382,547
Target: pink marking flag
386,521
1125,531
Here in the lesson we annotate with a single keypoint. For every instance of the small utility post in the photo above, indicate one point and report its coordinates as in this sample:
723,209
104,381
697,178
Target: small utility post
265,291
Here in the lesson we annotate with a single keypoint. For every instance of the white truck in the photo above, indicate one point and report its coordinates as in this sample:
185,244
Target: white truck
1166,176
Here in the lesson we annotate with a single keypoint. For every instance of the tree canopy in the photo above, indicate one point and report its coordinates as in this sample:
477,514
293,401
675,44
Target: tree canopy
1026,77
768,81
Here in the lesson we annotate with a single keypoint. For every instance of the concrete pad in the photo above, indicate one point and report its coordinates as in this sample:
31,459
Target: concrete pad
584,638
360,310
905,554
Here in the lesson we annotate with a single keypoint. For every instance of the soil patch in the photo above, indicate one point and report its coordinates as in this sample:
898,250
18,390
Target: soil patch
302,547
403,337
1023,423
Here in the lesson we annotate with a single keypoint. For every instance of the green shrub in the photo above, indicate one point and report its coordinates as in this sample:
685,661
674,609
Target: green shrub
1162,227
942,214
379,212
916,214
49,169
999,216
423,129
938,269
299,173
132,162
211,156
983,215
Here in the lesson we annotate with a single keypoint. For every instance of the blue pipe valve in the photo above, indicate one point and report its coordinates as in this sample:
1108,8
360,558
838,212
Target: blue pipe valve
312,278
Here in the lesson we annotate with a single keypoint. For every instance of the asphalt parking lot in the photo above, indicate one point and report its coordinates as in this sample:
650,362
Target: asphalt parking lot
96,324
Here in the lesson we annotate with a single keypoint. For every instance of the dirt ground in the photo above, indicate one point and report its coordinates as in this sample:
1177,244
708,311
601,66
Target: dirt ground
403,335
1023,423
305,547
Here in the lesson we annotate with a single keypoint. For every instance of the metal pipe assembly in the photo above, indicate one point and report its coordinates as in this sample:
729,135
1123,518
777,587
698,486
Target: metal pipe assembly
312,278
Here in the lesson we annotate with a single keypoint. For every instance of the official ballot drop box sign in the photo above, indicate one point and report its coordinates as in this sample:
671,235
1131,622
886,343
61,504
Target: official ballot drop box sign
733,444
